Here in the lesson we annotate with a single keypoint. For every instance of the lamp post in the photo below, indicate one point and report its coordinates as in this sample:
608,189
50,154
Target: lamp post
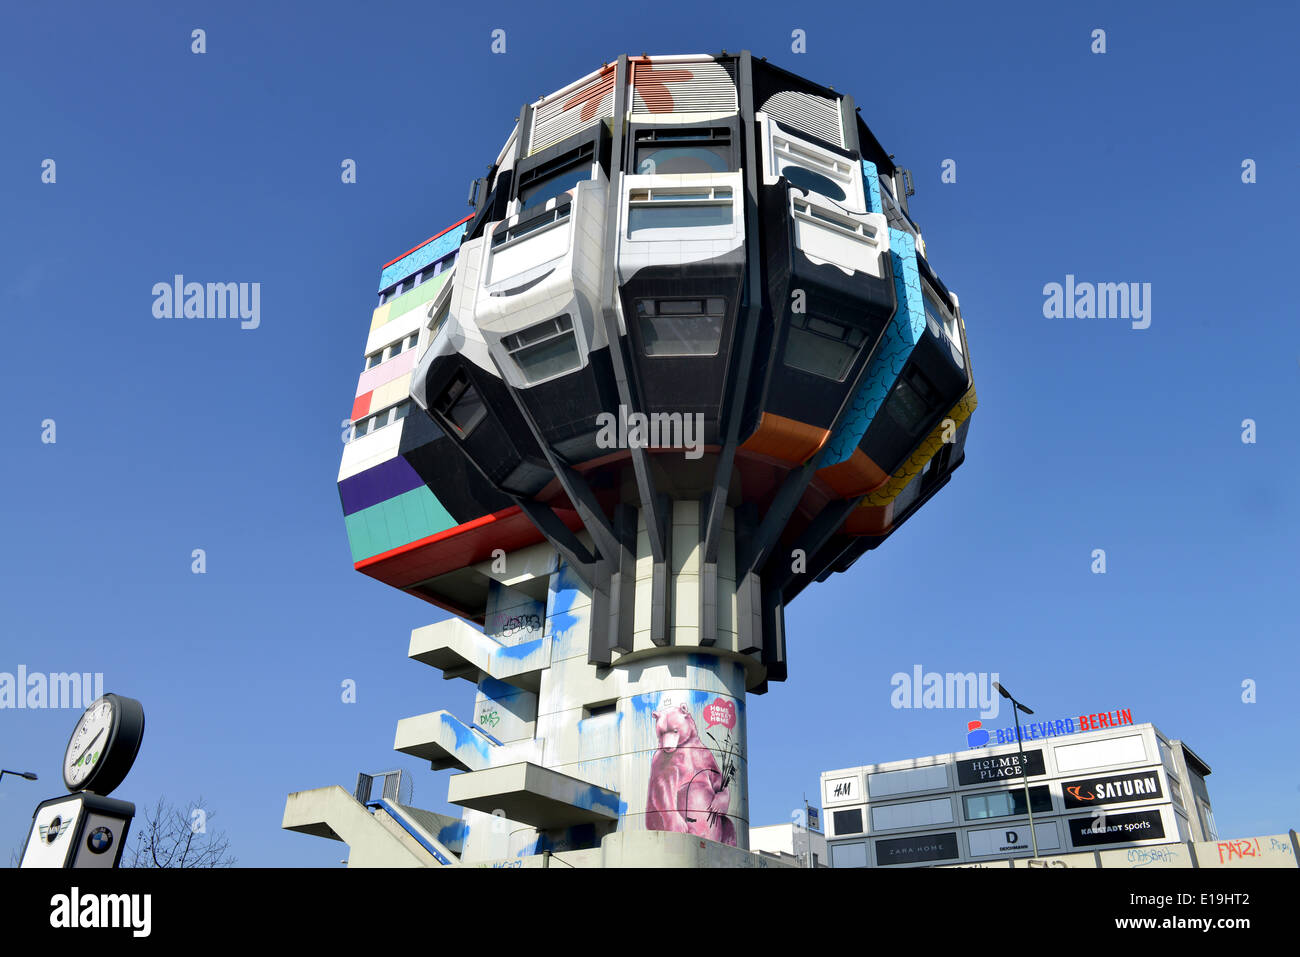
1017,707
29,775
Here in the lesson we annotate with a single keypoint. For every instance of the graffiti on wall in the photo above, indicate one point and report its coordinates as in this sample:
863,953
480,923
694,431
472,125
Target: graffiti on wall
688,791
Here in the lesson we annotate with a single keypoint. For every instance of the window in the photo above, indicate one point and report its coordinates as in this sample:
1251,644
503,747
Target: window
940,319
597,710
460,405
812,169
822,347
806,179
702,150
391,351
848,822
438,318
681,327
560,175
419,279
826,218
521,229
981,807
544,350
678,208
911,401
380,419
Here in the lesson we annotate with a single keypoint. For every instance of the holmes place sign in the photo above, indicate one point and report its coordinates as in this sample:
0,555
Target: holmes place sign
1000,768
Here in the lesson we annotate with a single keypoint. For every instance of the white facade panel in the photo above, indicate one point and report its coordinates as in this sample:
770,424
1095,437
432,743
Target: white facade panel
885,783
1110,752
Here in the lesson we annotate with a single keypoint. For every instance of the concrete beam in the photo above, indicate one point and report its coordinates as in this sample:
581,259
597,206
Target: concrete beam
534,795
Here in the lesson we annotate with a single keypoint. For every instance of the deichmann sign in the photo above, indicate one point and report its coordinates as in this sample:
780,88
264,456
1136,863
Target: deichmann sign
911,850
1112,789
1116,828
1034,730
1000,768
988,841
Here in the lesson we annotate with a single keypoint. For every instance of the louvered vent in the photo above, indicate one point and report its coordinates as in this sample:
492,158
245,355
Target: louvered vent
568,113
700,87
816,115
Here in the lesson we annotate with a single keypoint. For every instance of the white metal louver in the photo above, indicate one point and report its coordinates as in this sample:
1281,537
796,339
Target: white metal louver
816,115
703,86
564,114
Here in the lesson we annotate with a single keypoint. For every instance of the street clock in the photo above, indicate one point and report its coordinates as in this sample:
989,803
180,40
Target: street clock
104,745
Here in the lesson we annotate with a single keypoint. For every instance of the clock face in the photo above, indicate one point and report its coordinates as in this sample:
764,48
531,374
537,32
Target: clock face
89,743
104,745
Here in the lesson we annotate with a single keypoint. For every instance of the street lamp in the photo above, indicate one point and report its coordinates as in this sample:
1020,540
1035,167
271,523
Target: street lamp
1017,707
29,775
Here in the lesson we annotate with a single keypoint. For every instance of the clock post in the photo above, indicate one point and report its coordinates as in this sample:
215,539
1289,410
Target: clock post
85,828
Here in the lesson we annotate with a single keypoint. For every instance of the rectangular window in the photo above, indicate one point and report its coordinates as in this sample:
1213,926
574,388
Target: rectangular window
374,359
380,419
832,220
979,807
848,822
822,347
440,317
544,350
911,401
557,176
681,327
460,405
503,236
660,152
597,710
678,208
941,321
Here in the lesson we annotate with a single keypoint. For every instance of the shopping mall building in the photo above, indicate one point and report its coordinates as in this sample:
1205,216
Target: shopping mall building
1122,786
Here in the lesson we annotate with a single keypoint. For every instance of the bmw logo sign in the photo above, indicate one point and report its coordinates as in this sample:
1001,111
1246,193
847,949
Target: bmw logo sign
100,840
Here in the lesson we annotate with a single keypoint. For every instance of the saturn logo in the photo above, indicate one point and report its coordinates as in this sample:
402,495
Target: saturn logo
100,840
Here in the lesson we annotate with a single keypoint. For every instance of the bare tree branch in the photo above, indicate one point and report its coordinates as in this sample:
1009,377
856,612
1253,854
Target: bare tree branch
169,837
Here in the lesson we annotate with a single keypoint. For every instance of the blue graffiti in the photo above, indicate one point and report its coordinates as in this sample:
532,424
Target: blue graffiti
519,651
465,736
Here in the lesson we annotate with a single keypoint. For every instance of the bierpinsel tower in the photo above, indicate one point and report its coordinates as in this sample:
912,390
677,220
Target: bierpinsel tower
687,356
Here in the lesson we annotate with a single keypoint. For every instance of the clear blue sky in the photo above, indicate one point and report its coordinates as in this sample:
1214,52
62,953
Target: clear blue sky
174,435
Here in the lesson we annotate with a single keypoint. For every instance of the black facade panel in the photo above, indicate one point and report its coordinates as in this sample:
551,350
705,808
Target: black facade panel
460,487
565,409
596,138
686,384
499,439
861,303
929,386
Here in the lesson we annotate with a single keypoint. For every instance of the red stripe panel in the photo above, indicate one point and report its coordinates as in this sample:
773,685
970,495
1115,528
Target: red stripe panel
362,405
458,547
